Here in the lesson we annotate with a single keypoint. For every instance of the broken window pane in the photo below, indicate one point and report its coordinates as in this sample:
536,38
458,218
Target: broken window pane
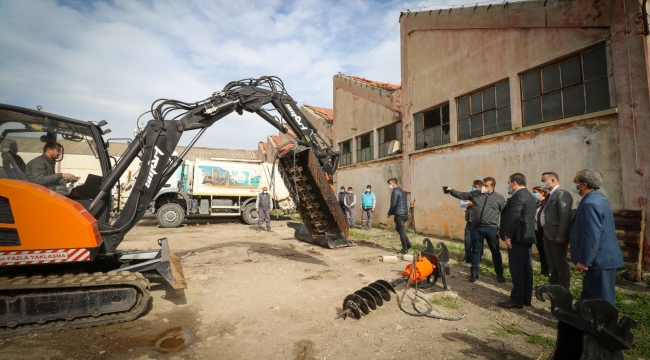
532,112
597,94
530,85
436,117
429,119
551,78
570,69
552,106
573,101
488,99
594,64
476,125
503,117
463,129
463,107
445,114
503,94
490,122
476,103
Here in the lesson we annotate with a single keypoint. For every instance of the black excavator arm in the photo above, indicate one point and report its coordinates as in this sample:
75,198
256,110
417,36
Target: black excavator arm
156,143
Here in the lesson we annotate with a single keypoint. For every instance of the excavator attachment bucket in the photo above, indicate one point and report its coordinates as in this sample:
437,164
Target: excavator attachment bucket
162,261
323,221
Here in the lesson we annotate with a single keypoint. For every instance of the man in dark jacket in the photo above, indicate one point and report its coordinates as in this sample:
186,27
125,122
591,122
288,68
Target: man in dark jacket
40,170
399,208
487,205
517,229
594,246
264,206
555,217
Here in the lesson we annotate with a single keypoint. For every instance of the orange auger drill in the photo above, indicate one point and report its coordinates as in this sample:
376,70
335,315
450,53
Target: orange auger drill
423,273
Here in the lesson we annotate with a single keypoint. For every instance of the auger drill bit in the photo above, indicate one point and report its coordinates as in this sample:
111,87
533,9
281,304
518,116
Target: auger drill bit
429,269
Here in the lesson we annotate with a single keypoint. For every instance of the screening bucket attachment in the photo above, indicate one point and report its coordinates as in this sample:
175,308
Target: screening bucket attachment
324,223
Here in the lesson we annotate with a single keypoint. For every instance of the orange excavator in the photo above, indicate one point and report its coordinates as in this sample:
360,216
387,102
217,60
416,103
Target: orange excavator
60,267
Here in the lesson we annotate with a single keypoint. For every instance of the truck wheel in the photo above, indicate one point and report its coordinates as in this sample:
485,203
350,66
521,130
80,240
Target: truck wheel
170,215
250,215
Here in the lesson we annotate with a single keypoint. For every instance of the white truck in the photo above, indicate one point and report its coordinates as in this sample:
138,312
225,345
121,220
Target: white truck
215,187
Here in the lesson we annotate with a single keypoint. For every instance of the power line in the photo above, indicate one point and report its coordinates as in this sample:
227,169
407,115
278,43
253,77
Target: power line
359,58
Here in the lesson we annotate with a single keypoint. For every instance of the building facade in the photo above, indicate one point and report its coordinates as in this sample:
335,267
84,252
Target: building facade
492,90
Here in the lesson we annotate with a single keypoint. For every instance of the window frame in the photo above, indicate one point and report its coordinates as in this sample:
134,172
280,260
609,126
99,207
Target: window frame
506,111
370,149
381,134
443,139
564,88
346,158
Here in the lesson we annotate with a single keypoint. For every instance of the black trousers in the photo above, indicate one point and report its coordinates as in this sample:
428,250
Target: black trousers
539,235
399,226
521,270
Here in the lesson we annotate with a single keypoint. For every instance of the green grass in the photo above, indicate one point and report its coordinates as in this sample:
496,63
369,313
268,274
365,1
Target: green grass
498,331
541,340
637,306
446,301
513,330
359,234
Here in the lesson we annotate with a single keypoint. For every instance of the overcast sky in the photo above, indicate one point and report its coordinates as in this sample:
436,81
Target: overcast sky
95,60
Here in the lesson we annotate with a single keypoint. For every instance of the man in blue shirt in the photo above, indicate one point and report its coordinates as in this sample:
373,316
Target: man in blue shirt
592,236
368,201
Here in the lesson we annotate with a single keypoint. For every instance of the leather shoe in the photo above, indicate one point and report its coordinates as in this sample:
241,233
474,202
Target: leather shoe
473,277
510,305
527,303
501,279
402,252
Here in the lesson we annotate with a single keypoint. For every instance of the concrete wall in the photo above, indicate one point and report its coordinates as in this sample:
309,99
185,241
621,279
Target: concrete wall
359,109
564,149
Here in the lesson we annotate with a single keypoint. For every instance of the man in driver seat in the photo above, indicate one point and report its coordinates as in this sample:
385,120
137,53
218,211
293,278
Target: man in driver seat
40,170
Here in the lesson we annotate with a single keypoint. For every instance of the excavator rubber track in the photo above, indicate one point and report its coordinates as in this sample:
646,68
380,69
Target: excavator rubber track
323,221
70,301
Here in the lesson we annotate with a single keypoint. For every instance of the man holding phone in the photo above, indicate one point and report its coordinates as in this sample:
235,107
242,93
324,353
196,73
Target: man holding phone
487,206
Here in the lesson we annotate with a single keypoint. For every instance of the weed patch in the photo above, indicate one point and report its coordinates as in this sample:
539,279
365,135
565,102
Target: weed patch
446,301
541,340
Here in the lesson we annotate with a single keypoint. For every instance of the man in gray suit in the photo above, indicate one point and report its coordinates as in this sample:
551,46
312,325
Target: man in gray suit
555,216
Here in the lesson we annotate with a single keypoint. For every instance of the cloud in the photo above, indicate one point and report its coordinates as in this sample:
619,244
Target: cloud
95,60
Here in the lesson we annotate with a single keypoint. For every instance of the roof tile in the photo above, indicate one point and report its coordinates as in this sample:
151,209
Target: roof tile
325,113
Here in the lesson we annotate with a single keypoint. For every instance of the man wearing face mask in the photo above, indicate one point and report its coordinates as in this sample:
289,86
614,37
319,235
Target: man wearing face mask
477,185
594,247
399,208
555,217
487,207
342,199
264,206
368,201
517,229
349,201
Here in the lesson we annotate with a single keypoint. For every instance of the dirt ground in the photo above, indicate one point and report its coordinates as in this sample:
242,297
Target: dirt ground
269,296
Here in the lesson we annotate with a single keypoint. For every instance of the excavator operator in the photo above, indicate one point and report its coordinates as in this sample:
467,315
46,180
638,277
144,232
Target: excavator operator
40,170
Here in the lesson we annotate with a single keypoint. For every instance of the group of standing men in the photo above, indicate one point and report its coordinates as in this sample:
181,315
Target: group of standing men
348,202
549,222
398,208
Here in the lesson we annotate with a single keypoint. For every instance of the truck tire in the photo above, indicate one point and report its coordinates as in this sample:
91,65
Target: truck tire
250,215
170,215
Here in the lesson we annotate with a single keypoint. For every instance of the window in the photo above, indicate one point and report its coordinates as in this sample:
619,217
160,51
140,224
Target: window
484,112
345,148
364,147
388,134
432,127
575,86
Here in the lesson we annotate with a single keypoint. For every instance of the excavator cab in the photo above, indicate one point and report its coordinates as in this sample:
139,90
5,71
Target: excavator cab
49,228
